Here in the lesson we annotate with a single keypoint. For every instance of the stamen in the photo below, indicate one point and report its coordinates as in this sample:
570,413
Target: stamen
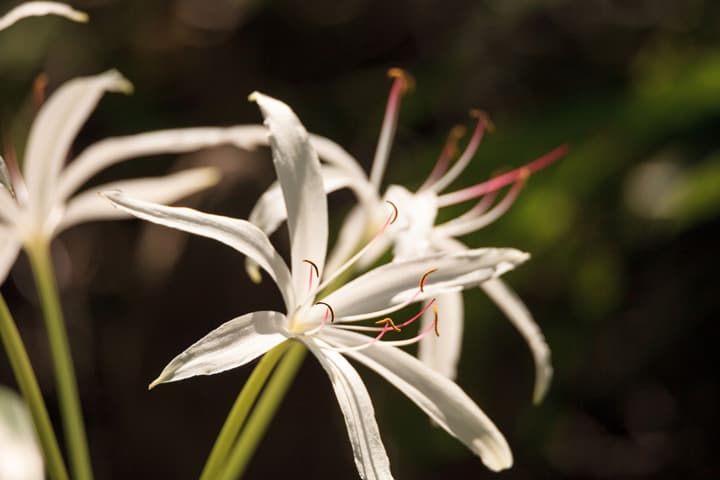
483,124
317,272
424,278
458,227
419,314
329,312
448,151
350,262
39,90
395,212
389,321
435,322
500,181
330,309
402,84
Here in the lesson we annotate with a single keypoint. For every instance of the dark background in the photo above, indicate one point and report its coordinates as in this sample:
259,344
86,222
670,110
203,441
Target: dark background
623,231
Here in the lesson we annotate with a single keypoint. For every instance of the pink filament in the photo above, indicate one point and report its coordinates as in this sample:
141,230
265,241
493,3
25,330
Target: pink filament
500,181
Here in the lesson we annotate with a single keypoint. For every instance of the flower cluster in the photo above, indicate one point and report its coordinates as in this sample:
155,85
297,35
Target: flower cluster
341,304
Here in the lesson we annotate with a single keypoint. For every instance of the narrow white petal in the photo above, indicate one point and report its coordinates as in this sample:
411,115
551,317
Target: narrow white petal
522,319
298,171
9,249
37,9
9,210
231,345
108,152
352,233
90,206
20,454
399,282
441,353
370,456
439,397
241,235
269,212
55,127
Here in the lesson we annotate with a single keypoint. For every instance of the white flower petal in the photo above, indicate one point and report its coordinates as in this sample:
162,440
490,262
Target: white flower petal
90,206
9,210
55,127
398,282
442,353
37,9
20,454
9,249
439,397
370,456
298,171
241,235
518,314
231,345
114,150
269,212
414,225
350,237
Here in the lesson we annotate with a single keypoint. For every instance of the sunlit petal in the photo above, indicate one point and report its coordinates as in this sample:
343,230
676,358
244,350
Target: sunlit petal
439,397
36,9
231,345
269,212
298,171
241,235
370,456
398,282
520,316
441,353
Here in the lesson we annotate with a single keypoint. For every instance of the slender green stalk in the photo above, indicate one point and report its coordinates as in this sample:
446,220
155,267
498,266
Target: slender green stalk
31,392
264,411
240,411
41,263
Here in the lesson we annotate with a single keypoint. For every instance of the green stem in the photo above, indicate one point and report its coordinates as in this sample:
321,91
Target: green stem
264,411
240,411
31,392
41,263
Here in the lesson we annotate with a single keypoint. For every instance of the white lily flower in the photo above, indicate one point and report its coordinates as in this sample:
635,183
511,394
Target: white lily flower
40,202
326,326
416,232
36,9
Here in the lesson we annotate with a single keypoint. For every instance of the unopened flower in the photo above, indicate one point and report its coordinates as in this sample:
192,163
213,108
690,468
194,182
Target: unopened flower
328,326
40,202
416,233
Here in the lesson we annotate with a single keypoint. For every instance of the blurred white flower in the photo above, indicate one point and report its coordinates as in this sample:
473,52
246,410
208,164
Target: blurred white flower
20,456
40,202
328,326
36,9
415,233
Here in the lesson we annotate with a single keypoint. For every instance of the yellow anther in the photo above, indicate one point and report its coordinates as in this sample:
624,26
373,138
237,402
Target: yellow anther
424,278
435,311
317,272
484,118
388,321
407,80
330,309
